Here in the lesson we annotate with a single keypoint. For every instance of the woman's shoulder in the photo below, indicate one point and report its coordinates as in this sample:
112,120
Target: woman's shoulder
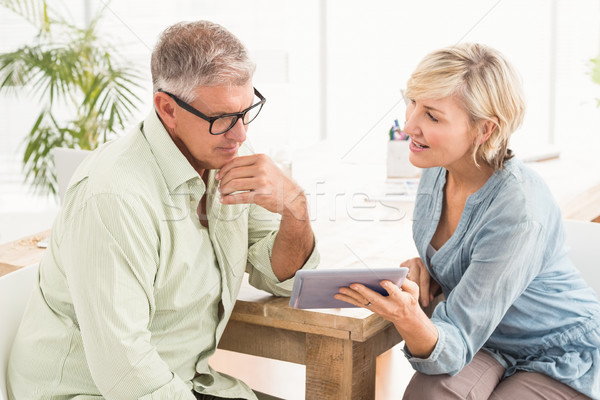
518,178
522,194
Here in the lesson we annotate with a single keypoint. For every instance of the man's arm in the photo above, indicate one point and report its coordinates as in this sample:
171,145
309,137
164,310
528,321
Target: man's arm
295,241
109,253
255,179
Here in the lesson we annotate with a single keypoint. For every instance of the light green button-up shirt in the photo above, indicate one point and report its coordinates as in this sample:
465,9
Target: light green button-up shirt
134,293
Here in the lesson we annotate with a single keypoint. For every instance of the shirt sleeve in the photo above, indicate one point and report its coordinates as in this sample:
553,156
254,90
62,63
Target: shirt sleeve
262,230
506,257
110,254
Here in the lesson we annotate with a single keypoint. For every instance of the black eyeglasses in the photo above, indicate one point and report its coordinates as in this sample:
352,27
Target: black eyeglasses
222,123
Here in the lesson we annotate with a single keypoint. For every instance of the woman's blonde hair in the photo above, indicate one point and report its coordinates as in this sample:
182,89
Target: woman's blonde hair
485,83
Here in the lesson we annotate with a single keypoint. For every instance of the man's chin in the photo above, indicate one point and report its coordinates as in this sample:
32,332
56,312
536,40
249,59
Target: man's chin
218,159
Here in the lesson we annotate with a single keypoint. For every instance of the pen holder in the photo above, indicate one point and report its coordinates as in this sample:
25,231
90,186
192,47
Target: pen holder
398,164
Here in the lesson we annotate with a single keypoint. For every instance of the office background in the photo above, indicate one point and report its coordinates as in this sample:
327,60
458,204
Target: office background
332,72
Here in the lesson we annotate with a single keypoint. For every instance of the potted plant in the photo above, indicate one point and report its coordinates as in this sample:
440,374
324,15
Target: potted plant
84,89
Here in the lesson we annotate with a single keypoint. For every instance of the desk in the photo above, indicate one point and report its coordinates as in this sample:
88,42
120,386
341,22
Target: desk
22,252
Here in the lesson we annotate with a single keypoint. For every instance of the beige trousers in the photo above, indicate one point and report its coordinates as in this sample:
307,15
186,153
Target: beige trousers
482,379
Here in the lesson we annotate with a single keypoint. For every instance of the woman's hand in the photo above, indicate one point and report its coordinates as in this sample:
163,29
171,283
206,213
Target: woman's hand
417,272
401,308
399,305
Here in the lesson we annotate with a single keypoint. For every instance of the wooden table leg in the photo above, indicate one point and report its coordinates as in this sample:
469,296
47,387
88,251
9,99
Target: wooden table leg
339,369
336,368
342,368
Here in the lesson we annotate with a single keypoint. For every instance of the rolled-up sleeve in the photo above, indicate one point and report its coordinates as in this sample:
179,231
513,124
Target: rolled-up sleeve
262,230
110,259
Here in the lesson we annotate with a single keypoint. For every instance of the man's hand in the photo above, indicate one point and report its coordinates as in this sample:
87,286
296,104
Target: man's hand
417,272
255,179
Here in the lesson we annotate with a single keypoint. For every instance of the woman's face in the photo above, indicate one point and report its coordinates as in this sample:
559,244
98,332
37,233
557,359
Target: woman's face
440,133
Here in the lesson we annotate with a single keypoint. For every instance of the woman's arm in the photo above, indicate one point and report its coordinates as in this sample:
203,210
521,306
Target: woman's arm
505,260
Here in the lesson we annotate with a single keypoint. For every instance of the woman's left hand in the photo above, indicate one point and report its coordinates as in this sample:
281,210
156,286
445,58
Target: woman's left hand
401,303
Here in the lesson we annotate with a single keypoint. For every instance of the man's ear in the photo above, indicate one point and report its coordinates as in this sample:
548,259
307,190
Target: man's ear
487,129
165,107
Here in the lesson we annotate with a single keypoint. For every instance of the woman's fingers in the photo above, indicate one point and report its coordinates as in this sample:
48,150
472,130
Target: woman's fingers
356,294
410,287
424,282
419,274
349,299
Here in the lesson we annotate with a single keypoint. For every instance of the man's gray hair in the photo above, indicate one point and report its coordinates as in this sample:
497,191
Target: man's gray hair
193,54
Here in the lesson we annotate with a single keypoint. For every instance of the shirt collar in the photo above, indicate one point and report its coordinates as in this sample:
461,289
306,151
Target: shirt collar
175,168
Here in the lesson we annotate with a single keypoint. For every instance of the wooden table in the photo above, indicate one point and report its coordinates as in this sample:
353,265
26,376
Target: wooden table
20,253
338,350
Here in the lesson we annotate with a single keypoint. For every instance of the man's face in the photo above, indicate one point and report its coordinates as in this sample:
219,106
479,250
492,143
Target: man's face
191,133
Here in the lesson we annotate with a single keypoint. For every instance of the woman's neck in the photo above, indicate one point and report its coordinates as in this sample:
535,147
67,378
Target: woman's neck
468,179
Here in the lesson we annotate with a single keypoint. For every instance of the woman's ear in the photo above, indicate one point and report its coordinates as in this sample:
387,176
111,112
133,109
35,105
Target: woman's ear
487,128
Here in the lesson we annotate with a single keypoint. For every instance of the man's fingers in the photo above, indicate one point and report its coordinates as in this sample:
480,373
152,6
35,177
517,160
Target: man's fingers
239,198
237,185
247,171
235,163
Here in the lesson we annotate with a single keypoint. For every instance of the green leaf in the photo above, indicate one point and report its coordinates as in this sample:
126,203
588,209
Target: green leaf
70,69
36,12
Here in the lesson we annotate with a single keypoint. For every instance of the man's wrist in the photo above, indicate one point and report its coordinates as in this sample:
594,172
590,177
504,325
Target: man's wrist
296,208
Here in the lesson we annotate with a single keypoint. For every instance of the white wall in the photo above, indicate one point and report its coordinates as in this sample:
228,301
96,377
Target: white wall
577,118
282,38
371,50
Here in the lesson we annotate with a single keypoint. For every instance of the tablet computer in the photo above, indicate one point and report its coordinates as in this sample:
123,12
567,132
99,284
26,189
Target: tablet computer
316,288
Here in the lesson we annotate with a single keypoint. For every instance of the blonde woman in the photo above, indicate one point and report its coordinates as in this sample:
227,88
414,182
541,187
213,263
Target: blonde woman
518,321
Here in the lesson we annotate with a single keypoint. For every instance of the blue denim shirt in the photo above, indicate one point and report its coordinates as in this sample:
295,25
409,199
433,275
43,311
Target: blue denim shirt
510,287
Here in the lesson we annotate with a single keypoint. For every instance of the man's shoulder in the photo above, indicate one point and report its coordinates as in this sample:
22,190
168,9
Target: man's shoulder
123,165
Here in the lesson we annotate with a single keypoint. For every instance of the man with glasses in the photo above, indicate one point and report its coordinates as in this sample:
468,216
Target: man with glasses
156,231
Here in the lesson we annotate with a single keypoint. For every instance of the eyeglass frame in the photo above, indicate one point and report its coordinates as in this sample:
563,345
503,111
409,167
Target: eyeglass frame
205,117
